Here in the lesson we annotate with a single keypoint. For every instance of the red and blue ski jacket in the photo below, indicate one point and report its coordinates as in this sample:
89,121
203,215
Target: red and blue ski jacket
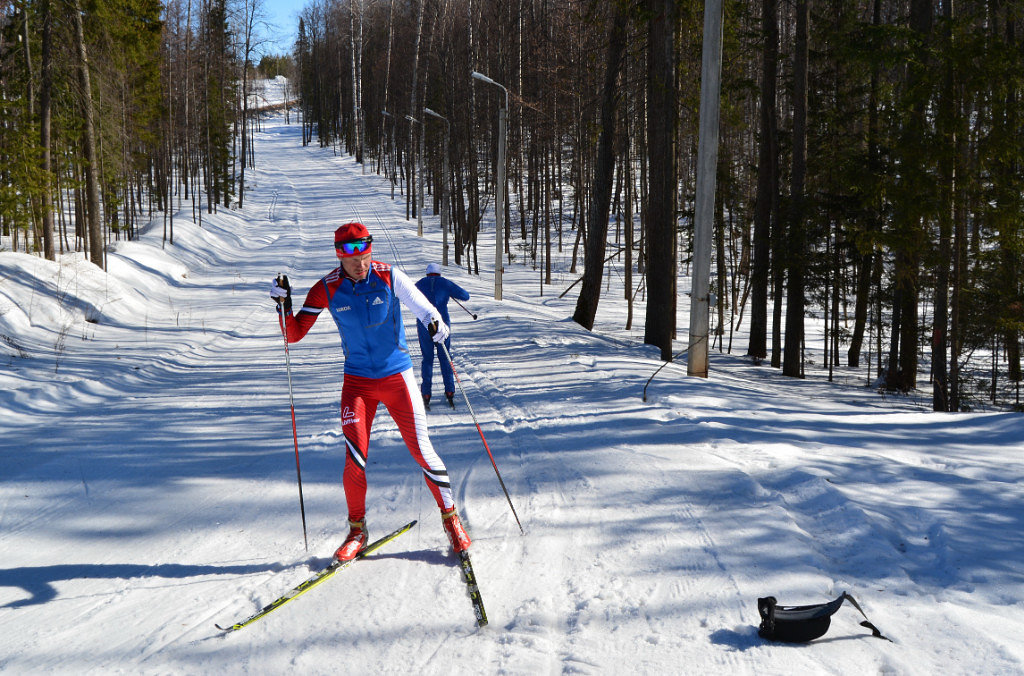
368,315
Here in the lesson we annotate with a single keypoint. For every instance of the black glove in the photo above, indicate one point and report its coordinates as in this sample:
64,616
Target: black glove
281,291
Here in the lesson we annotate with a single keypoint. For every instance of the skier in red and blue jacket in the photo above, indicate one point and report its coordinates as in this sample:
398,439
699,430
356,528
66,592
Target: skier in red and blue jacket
438,291
364,298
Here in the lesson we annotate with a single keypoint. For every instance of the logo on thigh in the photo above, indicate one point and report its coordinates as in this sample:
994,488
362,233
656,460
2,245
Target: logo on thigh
348,416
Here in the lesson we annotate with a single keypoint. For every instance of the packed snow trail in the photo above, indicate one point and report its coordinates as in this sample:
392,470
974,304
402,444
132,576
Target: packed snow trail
148,478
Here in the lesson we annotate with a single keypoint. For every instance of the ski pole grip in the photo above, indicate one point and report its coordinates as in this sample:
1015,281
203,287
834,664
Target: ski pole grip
286,302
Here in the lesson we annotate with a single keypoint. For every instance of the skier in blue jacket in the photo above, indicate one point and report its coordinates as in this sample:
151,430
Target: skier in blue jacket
438,291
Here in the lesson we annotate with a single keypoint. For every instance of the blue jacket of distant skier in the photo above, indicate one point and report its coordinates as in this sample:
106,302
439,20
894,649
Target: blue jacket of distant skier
438,291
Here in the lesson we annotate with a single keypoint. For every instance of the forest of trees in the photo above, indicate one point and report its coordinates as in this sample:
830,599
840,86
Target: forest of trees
114,109
869,169
869,166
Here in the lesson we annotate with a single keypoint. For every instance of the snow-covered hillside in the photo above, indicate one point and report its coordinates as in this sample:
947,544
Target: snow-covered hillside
148,479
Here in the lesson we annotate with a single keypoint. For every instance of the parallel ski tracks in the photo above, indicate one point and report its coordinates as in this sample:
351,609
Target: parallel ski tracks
549,502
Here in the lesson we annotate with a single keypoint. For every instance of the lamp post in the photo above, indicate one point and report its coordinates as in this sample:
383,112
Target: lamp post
499,197
419,179
445,204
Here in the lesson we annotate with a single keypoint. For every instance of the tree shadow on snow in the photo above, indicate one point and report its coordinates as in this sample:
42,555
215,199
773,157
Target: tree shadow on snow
38,581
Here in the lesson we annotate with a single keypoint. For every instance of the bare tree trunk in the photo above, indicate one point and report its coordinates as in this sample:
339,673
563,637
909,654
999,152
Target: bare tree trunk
357,75
767,183
45,116
792,359
600,196
940,388
866,255
661,125
959,280
719,228
252,13
902,374
30,100
627,240
413,195
92,181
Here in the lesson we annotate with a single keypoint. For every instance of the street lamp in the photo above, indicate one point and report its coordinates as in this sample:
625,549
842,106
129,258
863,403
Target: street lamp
445,203
419,179
499,197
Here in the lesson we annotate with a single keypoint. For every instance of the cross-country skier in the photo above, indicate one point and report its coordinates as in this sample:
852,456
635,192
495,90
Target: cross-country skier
438,291
363,297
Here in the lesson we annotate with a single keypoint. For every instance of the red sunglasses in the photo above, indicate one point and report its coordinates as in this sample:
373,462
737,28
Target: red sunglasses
354,247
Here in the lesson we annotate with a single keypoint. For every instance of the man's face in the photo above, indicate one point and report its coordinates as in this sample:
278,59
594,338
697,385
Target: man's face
356,267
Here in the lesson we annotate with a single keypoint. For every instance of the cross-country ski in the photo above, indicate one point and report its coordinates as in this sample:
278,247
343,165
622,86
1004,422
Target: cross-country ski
318,578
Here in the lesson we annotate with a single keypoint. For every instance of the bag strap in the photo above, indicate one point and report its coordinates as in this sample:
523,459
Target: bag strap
766,609
866,623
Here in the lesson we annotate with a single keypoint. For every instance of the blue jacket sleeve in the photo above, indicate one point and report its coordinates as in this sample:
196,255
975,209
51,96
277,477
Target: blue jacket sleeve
456,291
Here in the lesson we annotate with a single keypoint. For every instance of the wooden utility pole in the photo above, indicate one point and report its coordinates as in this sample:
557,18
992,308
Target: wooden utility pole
707,162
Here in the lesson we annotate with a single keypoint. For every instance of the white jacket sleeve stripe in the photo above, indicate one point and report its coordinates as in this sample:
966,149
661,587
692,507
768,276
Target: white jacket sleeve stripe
413,298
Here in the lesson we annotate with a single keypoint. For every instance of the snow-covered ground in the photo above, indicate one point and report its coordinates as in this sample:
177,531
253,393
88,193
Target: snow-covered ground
148,480
270,94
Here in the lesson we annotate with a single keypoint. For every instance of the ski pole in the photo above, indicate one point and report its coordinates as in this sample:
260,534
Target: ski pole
472,314
291,402
458,380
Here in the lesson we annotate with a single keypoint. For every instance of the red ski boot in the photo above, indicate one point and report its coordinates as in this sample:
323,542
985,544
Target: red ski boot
456,533
354,543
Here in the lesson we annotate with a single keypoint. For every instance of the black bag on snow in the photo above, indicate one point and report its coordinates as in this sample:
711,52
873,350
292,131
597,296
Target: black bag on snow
800,624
